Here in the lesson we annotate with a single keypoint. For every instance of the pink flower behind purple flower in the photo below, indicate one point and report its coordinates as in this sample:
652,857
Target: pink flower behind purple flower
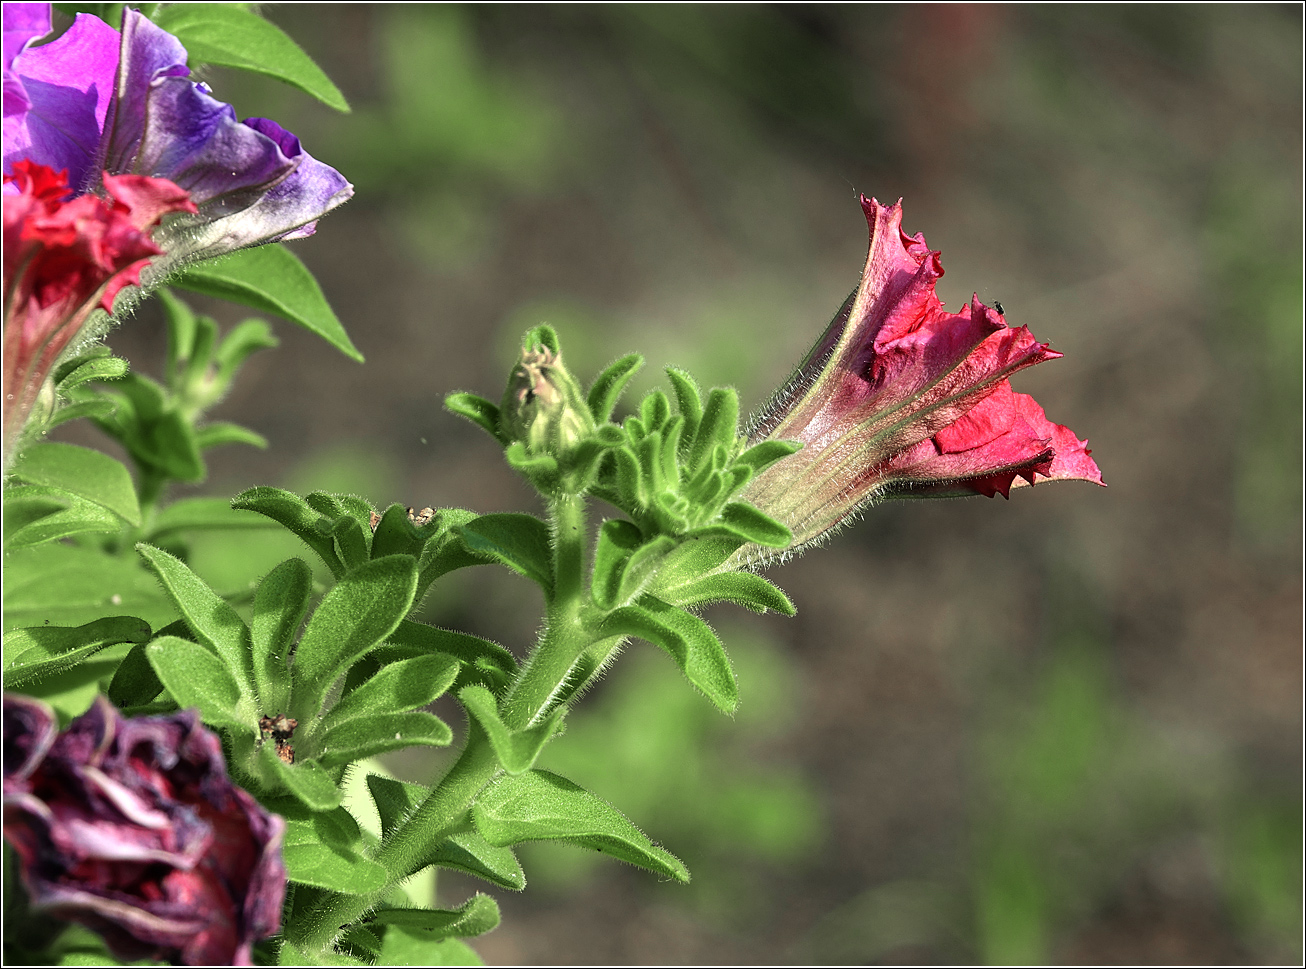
95,100
131,827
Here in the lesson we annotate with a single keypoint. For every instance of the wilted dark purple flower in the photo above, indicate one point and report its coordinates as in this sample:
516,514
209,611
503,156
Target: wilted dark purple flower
96,101
131,827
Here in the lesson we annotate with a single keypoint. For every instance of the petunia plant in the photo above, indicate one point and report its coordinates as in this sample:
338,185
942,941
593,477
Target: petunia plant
176,756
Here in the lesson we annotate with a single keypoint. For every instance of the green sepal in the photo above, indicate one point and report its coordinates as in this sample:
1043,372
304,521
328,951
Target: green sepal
38,653
516,749
608,386
365,736
689,641
541,806
518,541
81,472
719,426
195,677
280,602
746,522
357,614
398,687
482,661
297,515
215,623
305,780
761,456
741,588
481,412
220,33
36,514
202,514
99,366
688,402
478,915
270,278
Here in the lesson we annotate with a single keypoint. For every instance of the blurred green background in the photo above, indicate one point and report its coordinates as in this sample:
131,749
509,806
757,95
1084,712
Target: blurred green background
1066,728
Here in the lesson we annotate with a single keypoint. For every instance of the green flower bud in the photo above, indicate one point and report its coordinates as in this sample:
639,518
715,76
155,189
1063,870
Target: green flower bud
544,407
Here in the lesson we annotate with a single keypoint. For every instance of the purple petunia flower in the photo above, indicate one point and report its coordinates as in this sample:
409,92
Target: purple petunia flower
131,827
96,100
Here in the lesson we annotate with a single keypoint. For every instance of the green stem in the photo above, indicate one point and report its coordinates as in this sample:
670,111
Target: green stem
530,697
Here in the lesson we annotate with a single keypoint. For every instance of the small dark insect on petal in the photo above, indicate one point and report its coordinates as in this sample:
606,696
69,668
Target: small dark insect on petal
998,306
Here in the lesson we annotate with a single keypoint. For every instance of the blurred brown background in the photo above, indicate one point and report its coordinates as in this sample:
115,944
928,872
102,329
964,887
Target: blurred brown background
1062,728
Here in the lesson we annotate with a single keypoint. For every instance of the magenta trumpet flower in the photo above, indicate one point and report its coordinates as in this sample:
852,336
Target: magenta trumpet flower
901,399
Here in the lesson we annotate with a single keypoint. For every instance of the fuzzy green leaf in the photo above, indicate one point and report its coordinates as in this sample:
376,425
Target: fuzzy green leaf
617,539
481,412
395,534
357,614
518,541
272,279
134,682
67,585
541,806
305,780
516,749
280,602
82,472
466,851
295,514
688,402
754,526
211,619
719,426
409,947
476,654
313,863
742,588
220,33
759,457
35,514
203,514
688,639
196,678
98,368
367,735
33,655
217,433
478,915
405,685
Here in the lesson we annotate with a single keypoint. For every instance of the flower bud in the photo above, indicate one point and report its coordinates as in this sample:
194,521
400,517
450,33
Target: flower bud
544,406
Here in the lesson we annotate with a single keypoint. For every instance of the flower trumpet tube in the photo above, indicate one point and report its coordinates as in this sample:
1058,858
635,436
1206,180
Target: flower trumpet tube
899,398
131,827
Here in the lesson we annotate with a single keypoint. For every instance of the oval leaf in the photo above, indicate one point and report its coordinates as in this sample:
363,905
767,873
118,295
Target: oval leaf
82,472
197,678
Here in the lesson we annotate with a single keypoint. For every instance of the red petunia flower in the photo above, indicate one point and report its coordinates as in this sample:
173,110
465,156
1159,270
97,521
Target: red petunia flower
900,399
63,258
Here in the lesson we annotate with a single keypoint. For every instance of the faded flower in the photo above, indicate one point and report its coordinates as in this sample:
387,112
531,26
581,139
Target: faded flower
131,827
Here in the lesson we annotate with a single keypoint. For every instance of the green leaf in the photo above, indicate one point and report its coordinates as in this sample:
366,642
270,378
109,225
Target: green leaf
203,514
246,338
688,639
97,368
33,655
197,678
296,514
220,33
82,472
280,602
367,735
35,514
608,386
478,915
518,541
134,682
310,862
695,556
270,278
405,685
352,543
96,408
406,947
468,852
617,539
211,619
394,800
481,412
473,652
66,585
395,534
217,433
742,588
357,614
642,567
304,779
541,806
688,402
516,749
